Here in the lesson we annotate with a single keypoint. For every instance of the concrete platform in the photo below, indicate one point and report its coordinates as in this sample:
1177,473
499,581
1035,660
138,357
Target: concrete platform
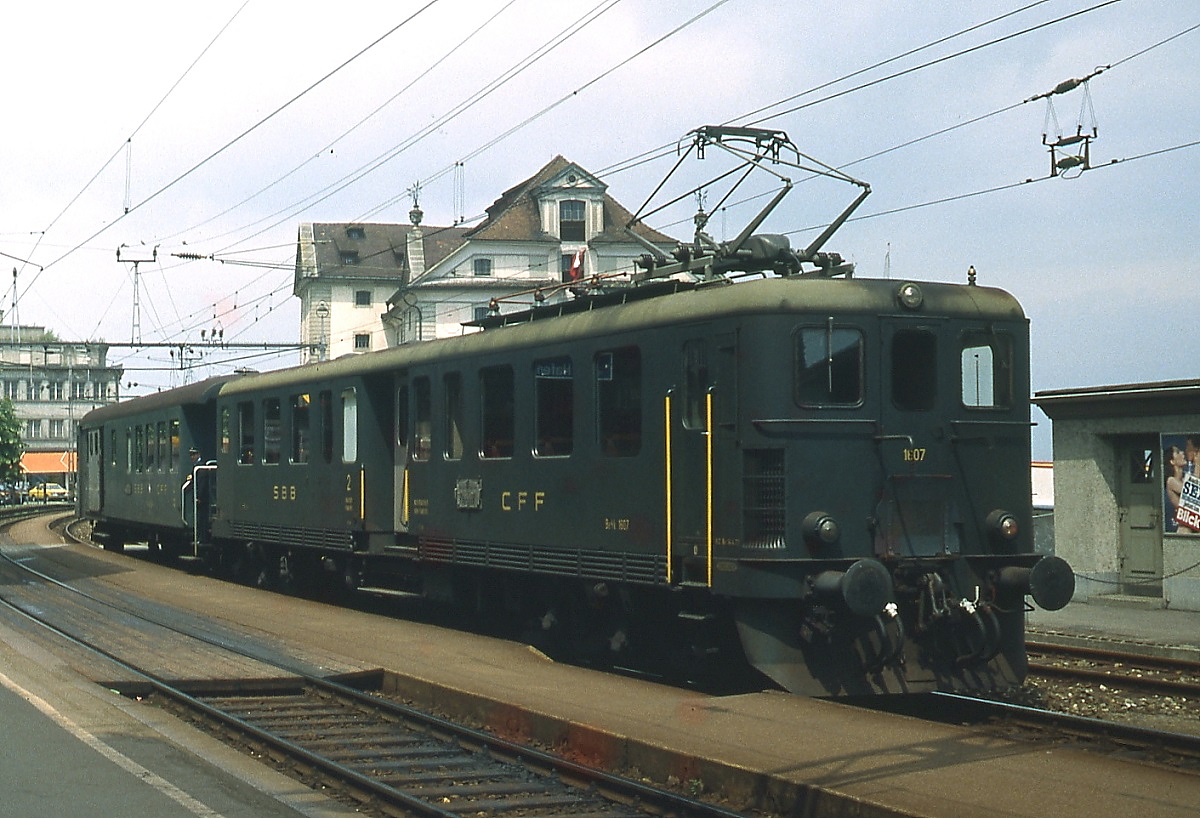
764,750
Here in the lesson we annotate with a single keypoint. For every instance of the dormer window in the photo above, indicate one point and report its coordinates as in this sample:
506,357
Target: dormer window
348,257
482,266
356,233
572,224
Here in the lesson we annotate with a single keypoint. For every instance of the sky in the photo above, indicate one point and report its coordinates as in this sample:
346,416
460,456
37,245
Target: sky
145,130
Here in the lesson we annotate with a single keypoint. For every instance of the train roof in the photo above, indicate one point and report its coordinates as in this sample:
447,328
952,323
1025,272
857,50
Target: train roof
192,393
687,303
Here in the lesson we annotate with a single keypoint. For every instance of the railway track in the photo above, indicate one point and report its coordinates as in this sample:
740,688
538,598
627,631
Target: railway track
1146,674
386,757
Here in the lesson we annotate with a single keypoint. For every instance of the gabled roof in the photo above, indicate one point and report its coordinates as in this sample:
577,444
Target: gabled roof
382,249
515,215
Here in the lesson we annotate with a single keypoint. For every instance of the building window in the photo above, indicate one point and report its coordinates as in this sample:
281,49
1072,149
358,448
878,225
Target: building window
481,313
12,389
356,233
571,224
362,340
348,257
362,298
58,428
482,266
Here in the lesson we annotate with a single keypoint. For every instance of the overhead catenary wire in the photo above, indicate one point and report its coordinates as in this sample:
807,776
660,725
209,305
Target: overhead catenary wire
293,100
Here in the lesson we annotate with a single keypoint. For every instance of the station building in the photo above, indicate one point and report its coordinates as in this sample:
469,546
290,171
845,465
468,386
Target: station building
1127,489
52,384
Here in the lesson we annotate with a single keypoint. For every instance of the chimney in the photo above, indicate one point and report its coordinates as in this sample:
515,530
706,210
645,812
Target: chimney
416,245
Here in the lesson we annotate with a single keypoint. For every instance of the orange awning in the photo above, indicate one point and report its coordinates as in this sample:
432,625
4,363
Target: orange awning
47,462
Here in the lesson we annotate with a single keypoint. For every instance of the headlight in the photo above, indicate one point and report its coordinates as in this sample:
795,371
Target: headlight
910,296
822,528
1003,526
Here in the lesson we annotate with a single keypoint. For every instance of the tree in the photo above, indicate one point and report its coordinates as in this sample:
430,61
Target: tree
11,445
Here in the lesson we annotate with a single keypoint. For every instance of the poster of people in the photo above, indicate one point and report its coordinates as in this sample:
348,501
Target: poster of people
1181,484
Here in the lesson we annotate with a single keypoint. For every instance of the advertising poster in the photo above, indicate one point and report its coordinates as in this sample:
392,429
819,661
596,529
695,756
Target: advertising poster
1181,483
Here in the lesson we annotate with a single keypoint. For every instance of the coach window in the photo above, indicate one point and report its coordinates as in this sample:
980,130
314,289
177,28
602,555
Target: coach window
349,426
113,447
151,448
174,445
325,403
619,401
272,431
499,420
139,448
245,433
986,370
554,395
402,416
695,384
300,427
164,451
423,416
914,370
226,438
829,366
452,385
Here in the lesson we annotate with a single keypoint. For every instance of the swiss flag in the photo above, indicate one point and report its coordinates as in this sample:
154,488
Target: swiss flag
576,271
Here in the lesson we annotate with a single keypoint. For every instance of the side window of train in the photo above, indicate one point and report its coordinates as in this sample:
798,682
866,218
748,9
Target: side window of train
695,384
133,450
349,426
164,450
914,369
554,399
325,402
497,400
619,401
829,365
452,390
301,427
402,416
245,433
987,370
423,417
272,431
174,464
224,432
151,448
113,447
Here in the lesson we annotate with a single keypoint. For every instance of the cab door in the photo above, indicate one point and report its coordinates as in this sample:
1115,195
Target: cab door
916,514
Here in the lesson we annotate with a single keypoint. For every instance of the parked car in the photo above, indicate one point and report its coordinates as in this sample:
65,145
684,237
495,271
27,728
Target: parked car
48,491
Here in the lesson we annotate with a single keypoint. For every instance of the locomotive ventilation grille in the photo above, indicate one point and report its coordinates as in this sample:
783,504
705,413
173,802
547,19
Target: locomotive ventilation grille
290,535
621,567
764,498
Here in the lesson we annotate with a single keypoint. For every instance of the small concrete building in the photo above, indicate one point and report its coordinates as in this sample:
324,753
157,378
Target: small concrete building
1127,489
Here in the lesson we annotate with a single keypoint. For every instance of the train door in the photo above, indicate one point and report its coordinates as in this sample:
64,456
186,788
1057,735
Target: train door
915,514
703,449
400,462
92,489
1141,513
